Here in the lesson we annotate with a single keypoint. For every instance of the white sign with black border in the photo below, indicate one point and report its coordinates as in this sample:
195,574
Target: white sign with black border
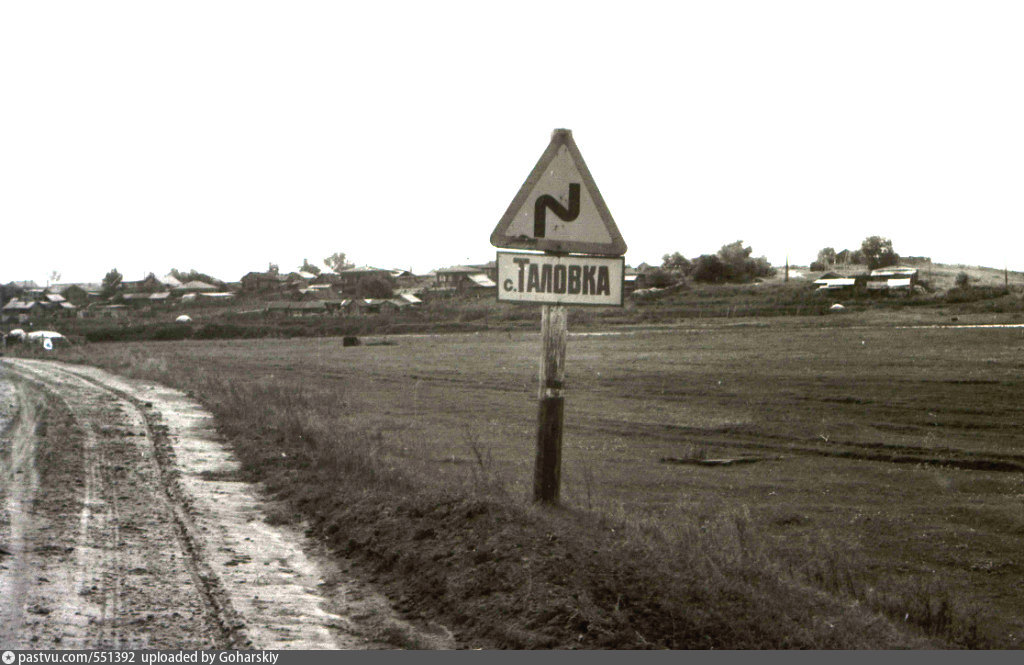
560,279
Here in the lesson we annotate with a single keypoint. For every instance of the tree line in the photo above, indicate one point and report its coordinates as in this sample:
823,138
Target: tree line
875,251
732,263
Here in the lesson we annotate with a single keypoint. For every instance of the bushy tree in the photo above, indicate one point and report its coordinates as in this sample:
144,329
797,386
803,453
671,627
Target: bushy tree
337,262
111,283
374,287
193,276
709,268
760,267
309,267
660,278
963,280
676,263
732,263
827,256
878,252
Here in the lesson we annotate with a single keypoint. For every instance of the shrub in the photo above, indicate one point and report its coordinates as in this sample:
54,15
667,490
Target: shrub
660,278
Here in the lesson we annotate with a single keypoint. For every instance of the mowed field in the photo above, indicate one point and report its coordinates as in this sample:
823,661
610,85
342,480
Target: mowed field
888,459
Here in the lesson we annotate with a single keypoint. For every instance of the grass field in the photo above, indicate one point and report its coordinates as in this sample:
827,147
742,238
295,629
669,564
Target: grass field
889,466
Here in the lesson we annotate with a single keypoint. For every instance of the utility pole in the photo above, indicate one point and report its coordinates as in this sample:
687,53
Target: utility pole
787,267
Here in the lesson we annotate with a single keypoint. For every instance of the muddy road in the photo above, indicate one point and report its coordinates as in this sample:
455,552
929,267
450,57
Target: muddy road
123,524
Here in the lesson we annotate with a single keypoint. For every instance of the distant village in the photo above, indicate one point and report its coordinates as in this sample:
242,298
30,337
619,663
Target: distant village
349,291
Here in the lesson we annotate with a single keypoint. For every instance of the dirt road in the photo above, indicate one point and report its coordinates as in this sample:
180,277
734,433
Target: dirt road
124,524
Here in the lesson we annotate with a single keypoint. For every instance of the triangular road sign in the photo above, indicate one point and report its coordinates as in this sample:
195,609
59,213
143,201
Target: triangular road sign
558,208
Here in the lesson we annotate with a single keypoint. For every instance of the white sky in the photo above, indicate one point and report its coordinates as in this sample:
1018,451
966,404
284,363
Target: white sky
223,136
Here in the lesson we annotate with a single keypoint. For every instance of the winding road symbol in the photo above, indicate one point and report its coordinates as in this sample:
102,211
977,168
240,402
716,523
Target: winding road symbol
542,198
546,201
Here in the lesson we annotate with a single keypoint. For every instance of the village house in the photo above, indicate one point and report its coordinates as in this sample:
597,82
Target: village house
464,278
350,278
878,281
79,294
262,282
195,286
18,311
150,284
326,278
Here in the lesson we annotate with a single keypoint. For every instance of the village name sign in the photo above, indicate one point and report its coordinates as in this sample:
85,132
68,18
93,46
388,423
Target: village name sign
558,211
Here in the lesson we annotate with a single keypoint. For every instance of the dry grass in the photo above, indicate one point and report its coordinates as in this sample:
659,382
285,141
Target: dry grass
416,457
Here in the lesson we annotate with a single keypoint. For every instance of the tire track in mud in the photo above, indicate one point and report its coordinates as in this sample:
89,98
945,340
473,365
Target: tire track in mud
123,583
763,441
257,583
20,480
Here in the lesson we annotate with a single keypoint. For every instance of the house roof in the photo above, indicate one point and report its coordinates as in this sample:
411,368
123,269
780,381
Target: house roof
362,269
892,271
88,287
15,305
481,279
287,306
837,283
55,297
458,269
267,275
409,298
196,285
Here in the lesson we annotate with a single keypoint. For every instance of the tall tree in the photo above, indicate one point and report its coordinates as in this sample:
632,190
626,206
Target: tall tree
676,263
111,283
193,275
309,267
732,263
878,252
337,262
827,256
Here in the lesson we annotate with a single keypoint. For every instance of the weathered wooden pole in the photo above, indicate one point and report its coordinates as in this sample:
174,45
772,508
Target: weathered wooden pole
554,330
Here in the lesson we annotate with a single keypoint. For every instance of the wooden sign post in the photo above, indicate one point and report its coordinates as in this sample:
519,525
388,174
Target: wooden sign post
558,211
554,330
